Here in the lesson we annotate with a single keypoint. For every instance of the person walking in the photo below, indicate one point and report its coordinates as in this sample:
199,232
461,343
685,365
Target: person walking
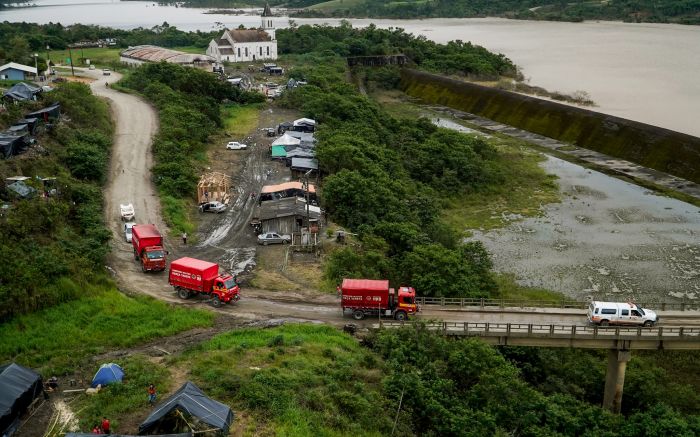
184,238
152,394
105,425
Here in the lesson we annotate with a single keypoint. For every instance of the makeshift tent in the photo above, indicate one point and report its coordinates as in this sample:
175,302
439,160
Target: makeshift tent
286,140
22,91
284,126
31,123
278,152
84,434
109,373
49,113
198,411
11,144
21,189
19,386
304,164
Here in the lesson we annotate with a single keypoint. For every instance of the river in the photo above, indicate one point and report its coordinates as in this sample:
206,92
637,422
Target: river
644,72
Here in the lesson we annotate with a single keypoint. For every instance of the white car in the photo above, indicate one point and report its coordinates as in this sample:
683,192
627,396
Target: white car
214,206
235,145
127,231
126,210
106,72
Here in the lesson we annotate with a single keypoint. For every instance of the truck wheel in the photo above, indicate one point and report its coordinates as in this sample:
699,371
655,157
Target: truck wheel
143,267
604,323
358,315
400,316
215,302
183,293
648,324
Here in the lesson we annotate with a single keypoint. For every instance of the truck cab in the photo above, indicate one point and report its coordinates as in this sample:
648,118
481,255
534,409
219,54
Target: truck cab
226,288
407,300
153,259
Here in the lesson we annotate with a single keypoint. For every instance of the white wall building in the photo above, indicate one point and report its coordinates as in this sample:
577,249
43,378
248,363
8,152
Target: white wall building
245,45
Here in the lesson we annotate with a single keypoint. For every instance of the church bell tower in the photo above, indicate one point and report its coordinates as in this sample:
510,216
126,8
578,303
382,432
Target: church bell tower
267,21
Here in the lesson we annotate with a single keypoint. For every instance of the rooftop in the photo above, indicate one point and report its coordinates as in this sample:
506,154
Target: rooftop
157,54
17,66
249,35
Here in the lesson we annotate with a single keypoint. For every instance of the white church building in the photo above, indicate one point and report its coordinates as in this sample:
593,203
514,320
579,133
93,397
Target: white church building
244,45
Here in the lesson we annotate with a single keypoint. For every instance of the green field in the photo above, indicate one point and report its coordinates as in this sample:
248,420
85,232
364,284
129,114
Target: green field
56,340
240,120
332,5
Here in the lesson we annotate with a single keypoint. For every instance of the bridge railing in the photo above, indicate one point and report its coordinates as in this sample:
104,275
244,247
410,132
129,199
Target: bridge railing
486,329
493,304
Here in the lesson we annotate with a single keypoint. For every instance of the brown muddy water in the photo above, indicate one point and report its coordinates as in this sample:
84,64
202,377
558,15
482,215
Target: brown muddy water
607,239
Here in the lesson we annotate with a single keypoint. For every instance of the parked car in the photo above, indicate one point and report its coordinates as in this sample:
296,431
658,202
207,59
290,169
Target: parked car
235,145
214,206
106,72
126,210
92,67
127,231
273,238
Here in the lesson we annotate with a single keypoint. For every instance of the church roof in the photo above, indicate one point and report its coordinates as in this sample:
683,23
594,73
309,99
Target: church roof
223,42
249,35
267,12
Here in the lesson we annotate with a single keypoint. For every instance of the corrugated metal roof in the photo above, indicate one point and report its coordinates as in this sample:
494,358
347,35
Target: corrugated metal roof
290,206
304,164
287,186
156,54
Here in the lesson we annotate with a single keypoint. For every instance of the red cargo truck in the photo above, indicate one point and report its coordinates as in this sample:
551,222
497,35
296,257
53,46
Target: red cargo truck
192,276
368,297
148,247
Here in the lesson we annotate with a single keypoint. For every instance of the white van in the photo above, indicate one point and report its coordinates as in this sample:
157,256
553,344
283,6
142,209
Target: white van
615,313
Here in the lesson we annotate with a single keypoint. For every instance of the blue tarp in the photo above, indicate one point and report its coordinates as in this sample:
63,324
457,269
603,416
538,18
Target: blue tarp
108,374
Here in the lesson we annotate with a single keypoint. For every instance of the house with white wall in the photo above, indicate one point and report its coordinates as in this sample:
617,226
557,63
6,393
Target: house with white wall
246,45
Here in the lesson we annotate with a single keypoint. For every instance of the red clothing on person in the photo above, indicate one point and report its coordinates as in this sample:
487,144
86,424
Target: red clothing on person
105,426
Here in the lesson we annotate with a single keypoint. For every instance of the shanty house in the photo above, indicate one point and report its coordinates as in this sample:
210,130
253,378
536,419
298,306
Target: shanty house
214,186
47,114
304,125
287,216
287,189
300,166
22,91
15,71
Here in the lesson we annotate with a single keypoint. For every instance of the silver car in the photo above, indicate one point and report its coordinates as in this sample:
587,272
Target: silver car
127,231
214,206
273,238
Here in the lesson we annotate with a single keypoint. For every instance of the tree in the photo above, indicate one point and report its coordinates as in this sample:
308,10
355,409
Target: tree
18,50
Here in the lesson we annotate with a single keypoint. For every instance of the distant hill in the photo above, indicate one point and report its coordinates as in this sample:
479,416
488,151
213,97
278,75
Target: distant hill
661,11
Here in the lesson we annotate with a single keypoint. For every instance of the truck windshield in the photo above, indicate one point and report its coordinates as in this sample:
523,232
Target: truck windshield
157,254
230,283
408,300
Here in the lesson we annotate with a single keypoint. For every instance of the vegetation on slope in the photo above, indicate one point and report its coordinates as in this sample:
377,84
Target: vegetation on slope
667,11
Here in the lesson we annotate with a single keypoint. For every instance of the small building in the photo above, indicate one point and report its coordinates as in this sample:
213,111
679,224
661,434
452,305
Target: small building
138,55
287,216
214,186
245,45
12,143
304,125
301,166
31,124
48,114
298,152
15,71
306,139
285,190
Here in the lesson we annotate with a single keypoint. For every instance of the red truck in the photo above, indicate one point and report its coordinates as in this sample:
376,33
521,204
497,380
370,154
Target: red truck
148,247
191,276
369,297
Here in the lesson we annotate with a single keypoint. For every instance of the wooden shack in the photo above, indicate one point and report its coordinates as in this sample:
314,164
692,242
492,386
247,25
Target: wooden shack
214,186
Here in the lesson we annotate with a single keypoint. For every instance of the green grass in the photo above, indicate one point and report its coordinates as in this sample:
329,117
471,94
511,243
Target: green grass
99,56
525,187
58,339
240,120
178,215
508,289
294,380
191,49
123,400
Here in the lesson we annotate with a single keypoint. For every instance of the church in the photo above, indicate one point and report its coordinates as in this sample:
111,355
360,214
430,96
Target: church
245,45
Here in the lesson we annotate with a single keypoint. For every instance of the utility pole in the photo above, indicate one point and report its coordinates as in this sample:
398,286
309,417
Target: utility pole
70,56
305,184
36,64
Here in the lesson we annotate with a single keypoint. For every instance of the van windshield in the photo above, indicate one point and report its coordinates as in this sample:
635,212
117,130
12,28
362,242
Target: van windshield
156,254
641,311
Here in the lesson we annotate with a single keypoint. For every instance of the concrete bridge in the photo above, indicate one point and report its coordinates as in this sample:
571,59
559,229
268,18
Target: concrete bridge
619,341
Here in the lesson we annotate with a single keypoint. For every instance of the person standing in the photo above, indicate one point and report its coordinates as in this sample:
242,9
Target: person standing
184,238
152,394
105,425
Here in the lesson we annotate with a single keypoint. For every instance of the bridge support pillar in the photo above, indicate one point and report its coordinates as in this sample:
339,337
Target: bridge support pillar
615,379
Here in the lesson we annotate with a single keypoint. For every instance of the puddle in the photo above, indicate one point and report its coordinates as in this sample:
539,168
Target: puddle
607,238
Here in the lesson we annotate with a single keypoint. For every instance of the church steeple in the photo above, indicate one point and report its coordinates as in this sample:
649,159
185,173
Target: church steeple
267,21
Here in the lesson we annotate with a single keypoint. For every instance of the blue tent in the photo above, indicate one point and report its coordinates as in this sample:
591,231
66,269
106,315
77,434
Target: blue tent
109,373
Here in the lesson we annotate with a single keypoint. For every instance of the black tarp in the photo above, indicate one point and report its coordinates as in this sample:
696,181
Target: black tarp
19,386
85,434
22,91
31,123
11,144
191,401
48,113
